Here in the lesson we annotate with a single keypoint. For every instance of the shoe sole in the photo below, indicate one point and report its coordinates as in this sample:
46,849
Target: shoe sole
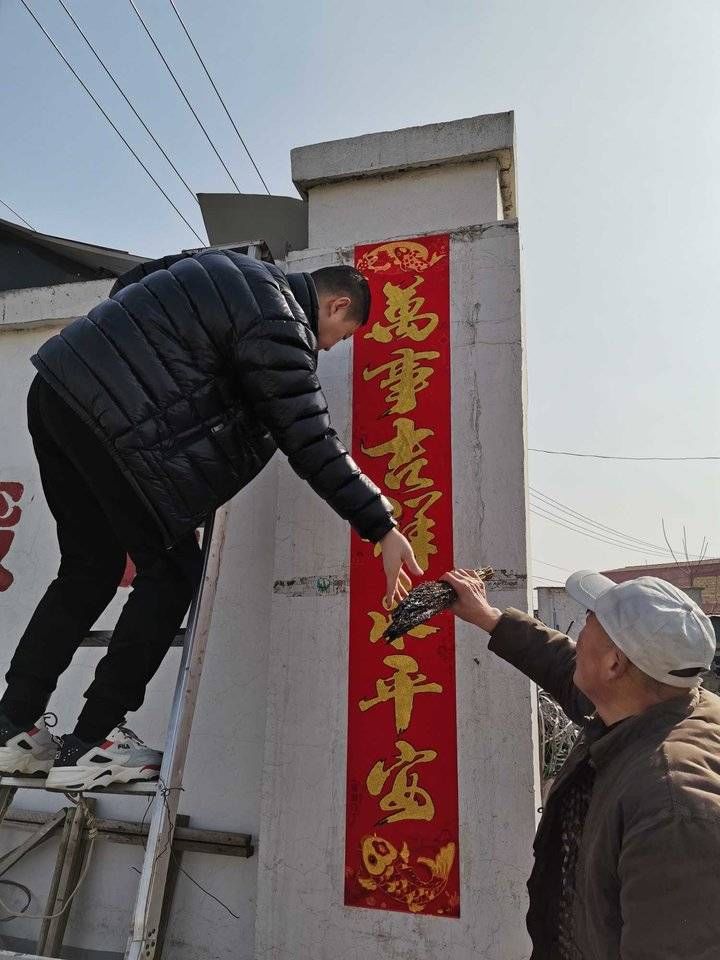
86,778
25,765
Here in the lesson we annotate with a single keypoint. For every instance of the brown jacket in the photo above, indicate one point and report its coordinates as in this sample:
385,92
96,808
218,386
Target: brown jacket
648,870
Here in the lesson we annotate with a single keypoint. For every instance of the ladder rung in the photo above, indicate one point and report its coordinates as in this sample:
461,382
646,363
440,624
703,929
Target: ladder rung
13,955
223,842
146,788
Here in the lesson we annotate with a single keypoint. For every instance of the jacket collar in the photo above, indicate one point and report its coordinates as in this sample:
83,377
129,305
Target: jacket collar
605,742
303,289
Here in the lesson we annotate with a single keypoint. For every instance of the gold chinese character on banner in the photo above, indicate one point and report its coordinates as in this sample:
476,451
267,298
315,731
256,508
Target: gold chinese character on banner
405,377
380,623
419,530
405,451
402,688
403,315
406,800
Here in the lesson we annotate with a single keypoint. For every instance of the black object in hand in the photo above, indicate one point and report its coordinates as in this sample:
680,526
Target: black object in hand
423,602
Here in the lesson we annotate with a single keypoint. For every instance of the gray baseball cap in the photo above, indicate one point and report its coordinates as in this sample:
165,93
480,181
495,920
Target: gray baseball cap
657,626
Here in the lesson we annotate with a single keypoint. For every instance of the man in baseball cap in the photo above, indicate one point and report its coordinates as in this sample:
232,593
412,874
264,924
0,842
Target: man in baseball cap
652,622
627,854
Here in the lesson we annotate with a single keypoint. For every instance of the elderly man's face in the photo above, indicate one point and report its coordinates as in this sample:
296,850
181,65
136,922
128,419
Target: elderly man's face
596,659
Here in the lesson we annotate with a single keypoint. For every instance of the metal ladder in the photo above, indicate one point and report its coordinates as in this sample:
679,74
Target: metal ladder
151,888
146,922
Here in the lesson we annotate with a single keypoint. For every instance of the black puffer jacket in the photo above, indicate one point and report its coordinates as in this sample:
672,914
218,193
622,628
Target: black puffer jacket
193,372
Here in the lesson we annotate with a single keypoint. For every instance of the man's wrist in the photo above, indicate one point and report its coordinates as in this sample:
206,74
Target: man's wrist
489,620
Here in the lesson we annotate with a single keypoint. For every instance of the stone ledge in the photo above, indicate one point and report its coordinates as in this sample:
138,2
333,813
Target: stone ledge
378,154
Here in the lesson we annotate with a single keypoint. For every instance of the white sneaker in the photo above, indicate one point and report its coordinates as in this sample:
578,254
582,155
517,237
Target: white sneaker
122,758
27,753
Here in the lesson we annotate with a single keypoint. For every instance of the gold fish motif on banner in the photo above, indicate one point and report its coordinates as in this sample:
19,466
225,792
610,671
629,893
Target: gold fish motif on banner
402,255
413,884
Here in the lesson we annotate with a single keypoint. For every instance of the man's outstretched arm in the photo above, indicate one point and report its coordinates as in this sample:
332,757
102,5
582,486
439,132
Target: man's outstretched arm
542,654
276,364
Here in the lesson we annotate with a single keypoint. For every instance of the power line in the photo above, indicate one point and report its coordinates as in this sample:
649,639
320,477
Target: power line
8,207
182,93
620,540
602,526
549,580
207,74
550,503
569,525
546,564
589,532
603,456
129,103
117,131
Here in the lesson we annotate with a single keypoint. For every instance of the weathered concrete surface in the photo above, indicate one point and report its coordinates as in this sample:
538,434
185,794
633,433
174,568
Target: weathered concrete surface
267,753
433,144
419,201
45,306
301,850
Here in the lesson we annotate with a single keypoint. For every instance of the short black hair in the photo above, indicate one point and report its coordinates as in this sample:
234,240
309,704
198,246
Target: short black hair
345,281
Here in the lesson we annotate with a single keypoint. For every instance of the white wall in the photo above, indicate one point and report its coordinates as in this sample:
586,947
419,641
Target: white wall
301,915
222,779
415,202
558,610
43,306
267,753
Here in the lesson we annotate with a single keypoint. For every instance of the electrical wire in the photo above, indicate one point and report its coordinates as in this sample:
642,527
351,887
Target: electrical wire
107,117
536,511
202,888
8,207
574,516
557,735
219,96
91,825
546,564
128,102
603,456
551,502
183,94
163,792
28,899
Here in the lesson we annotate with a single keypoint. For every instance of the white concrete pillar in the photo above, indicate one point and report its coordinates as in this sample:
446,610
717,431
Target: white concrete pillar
456,178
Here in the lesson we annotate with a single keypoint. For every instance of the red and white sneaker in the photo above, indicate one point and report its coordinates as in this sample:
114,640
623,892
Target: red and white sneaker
27,753
122,758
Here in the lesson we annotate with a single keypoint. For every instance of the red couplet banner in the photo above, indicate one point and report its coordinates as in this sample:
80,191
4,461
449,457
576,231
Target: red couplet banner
402,781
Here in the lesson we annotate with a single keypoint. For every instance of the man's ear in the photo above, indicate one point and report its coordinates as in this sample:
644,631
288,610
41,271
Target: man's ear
619,663
340,303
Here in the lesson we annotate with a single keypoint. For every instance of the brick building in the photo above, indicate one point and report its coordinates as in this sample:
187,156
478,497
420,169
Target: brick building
703,574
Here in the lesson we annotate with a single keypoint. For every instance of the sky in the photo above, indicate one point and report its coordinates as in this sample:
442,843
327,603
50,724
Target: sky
618,134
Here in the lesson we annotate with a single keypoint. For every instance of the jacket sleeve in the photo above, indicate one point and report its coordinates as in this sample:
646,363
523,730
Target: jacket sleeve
276,363
669,890
543,655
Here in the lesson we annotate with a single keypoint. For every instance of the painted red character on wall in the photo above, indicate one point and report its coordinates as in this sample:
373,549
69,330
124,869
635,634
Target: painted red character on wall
10,513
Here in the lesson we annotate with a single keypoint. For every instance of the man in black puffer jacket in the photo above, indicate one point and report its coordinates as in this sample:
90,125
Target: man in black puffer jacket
146,415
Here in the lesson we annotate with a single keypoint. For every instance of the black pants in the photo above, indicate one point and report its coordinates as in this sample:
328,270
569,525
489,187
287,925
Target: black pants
99,520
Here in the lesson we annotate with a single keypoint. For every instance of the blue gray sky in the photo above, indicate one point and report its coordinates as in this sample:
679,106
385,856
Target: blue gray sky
618,136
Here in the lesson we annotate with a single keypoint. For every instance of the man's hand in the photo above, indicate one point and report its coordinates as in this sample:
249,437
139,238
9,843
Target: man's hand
472,604
396,551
